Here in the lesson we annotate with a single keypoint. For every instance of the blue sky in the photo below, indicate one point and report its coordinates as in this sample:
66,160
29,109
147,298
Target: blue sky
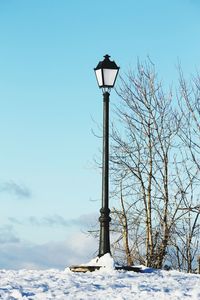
49,102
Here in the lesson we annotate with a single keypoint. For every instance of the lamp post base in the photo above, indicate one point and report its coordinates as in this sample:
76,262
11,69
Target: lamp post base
103,262
84,269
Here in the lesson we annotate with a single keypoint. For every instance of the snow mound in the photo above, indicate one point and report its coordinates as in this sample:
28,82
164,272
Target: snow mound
106,261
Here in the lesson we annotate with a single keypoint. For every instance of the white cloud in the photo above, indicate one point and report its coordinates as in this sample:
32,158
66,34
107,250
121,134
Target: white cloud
7,235
89,220
13,188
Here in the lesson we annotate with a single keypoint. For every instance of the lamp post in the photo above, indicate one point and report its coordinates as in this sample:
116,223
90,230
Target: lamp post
106,74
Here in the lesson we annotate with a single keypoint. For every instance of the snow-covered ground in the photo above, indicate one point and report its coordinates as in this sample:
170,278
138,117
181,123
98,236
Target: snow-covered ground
103,284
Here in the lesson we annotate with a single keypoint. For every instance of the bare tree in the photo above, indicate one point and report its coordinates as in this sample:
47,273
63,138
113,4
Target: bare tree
149,156
188,232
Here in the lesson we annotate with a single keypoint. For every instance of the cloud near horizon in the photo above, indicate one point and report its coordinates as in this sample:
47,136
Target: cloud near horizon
78,248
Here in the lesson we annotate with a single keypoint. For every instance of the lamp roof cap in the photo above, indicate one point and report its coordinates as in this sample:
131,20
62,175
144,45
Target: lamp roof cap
107,64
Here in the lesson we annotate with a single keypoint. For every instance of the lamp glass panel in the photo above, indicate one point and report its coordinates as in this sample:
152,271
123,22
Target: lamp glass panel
109,76
99,77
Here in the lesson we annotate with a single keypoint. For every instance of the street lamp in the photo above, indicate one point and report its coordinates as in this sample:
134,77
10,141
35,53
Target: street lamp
106,74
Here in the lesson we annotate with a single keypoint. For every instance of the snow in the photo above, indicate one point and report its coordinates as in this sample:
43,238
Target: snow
105,261
102,284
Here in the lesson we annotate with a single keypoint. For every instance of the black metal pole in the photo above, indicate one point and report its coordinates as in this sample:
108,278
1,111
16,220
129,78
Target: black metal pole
104,240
